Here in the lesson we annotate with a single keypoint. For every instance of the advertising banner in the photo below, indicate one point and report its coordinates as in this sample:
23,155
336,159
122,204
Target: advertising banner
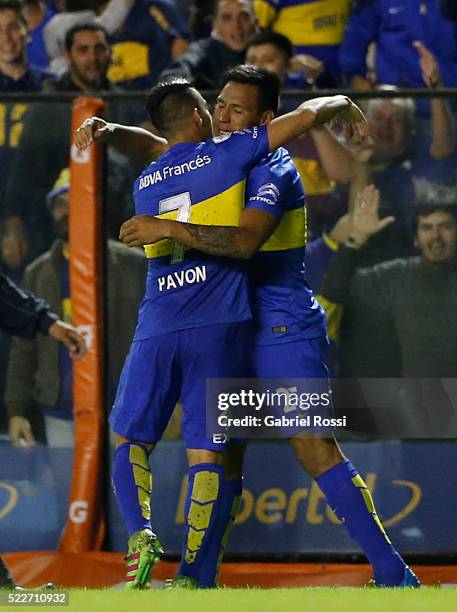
283,511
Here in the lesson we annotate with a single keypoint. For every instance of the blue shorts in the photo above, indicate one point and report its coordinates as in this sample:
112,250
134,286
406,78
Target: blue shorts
161,370
304,360
300,359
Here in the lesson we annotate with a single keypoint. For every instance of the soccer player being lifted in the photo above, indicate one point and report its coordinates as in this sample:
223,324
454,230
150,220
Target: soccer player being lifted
249,98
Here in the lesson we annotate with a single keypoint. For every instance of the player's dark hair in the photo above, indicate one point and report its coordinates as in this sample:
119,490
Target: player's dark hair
170,102
12,5
433,197
423,210
71,6
279,41
213,11
267,83
82,27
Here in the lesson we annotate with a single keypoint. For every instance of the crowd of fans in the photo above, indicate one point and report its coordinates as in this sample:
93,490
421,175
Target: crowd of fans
89,46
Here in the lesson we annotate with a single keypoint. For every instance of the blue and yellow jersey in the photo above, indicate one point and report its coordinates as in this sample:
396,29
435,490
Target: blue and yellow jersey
37,54
11,124
315,27
142,48
284,308
12,119
306,158
323,199
200,183
394,26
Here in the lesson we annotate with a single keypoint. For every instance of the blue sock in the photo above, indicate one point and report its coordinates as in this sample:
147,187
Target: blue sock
200,553
348,496
132,482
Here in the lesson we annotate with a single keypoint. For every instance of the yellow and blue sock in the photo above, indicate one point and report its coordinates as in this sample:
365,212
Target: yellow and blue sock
350,499
132,482
227,506
203,529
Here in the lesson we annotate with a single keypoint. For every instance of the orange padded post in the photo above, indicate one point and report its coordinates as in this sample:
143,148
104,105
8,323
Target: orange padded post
85,527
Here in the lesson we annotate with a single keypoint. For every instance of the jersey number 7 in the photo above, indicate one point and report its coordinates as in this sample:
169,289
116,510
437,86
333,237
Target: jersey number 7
182,203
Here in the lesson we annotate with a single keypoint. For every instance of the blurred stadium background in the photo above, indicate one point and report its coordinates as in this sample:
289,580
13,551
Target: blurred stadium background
58,517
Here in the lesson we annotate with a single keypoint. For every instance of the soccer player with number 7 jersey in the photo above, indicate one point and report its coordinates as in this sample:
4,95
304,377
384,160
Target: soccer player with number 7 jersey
194,321
290,327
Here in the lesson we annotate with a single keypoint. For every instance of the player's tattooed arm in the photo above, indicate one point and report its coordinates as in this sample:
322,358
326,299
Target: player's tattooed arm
242,242
134,142
216,240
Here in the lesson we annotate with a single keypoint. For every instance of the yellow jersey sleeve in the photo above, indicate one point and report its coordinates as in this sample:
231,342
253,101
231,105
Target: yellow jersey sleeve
265,13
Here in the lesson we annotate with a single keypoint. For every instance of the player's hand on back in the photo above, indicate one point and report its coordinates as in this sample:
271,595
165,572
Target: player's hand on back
141,230
90,130
73,340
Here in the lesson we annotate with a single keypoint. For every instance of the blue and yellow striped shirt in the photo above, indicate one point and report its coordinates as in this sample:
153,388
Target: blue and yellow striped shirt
284,308
315,27
200,183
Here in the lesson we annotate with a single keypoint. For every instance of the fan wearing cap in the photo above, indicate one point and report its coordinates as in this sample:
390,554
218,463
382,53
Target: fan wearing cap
38,372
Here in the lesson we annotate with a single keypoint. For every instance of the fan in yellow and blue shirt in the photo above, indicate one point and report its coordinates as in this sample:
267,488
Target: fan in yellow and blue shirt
11,124
315,27
37,54
394,25
194,321
145,45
